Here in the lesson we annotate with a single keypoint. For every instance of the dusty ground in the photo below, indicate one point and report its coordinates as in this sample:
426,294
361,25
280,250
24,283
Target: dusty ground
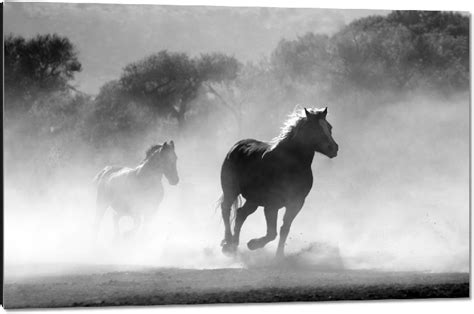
105,286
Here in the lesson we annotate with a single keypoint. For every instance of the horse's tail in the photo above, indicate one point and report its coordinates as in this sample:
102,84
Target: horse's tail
219,202
233,209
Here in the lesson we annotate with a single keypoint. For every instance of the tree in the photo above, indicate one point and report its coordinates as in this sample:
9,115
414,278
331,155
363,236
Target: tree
114,114
403,50
167,82
356,48
441,40
219,75
422,22
308,58
36,67
407,49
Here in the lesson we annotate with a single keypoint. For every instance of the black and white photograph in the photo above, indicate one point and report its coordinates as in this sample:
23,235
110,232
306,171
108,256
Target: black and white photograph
160,154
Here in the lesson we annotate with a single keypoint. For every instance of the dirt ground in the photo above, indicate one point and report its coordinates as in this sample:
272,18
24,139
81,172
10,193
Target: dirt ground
114,286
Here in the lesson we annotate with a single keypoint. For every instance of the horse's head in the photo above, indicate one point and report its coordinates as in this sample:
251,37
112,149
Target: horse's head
163,157
169,158
319,132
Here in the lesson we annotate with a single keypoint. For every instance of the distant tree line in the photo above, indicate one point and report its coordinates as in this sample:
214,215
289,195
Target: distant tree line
163,84
35,68
403,51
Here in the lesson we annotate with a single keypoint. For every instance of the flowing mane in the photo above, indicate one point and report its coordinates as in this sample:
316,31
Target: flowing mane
151,150
290,127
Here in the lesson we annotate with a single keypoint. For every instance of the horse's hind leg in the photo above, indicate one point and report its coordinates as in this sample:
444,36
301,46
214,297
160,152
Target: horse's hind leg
271,215
231,191
226,207
242,214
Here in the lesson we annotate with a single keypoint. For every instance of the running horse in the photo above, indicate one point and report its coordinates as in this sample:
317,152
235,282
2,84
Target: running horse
136,192
273,175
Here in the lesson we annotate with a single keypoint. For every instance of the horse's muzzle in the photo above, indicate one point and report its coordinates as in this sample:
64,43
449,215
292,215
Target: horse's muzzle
333,151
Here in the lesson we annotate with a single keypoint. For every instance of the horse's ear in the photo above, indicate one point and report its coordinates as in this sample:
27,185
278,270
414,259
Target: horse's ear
325,112
307,113
165,144
172,144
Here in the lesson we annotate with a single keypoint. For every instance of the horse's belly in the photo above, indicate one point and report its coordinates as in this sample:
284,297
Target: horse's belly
276,192
134,203
266,194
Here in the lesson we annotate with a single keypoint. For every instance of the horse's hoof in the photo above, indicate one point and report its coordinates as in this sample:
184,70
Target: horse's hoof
229,249
253,244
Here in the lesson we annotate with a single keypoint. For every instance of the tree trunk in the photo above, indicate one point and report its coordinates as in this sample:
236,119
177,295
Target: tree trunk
180,116
181,121
235,110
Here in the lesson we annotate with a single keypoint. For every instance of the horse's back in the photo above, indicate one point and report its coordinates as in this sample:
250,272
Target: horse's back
114,185
242,163
106,172
248,149
243,155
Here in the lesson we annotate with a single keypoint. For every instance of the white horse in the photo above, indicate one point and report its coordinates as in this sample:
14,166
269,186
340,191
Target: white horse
136,192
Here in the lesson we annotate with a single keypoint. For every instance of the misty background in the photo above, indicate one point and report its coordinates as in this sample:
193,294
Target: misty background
90,85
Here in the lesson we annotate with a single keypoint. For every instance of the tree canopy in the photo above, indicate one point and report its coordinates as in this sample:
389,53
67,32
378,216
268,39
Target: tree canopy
166,82
404,50
35,67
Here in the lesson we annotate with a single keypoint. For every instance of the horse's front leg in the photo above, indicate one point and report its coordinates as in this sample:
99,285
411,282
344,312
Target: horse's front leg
290,214
271,216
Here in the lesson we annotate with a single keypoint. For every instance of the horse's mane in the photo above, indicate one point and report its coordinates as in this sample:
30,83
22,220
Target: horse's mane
151,150
290,127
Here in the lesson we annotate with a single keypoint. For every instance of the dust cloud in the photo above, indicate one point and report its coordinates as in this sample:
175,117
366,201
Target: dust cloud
396,197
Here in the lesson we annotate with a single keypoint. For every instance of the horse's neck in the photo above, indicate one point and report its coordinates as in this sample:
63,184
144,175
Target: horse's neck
296,149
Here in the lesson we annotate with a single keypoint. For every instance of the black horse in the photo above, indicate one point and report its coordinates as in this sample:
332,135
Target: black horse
273,175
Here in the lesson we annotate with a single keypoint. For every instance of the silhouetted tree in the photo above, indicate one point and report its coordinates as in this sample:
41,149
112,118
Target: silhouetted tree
114,113
36,67
403,50
441,44
308,58
219,75
423,22
167,82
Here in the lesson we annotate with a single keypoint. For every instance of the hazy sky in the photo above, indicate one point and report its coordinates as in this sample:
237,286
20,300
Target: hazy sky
110,36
